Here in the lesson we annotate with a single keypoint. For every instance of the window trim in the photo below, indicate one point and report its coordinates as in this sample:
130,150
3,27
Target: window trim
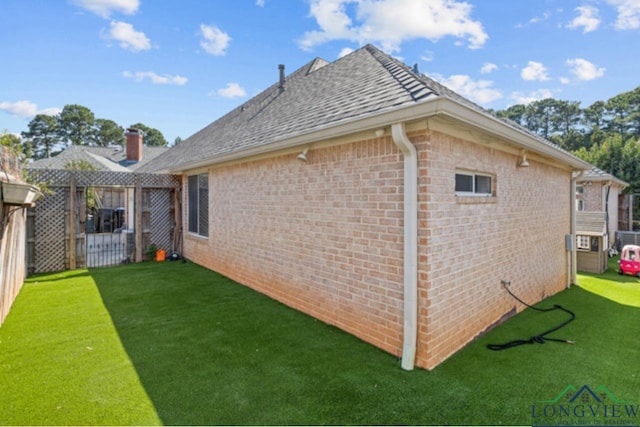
580,197
474,176
194,208
580,239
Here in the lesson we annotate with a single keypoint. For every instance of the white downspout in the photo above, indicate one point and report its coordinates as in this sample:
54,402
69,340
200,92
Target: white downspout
572,277
410,332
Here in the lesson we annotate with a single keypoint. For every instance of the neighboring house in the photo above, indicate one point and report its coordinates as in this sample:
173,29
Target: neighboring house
379,201
597,196
598,191
128,158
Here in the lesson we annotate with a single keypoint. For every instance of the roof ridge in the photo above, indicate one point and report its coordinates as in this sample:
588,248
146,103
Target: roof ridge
412,83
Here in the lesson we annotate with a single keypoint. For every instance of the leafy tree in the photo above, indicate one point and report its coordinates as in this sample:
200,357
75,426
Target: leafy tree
79,165
617,156
83,165
13,142
152,137
569,126
177,141
42,135
515,113
75,125
593,115
107,132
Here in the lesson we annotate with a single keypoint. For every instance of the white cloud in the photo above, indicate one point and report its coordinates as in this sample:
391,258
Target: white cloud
546,15
584,70
344,52
156,79
260,3
534,71
52,111
628,14
391,22
128,37
104,8
427,56
488,67
233,90
480,91
521,98
587,19
26,109
215,41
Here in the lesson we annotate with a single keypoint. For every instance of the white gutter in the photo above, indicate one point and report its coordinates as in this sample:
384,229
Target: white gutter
410,332
435,106
572,275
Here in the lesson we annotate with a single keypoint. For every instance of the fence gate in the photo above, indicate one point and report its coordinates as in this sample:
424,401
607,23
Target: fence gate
108,226
97,219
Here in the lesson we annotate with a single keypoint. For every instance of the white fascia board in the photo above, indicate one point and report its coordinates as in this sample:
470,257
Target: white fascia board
434,106
503,130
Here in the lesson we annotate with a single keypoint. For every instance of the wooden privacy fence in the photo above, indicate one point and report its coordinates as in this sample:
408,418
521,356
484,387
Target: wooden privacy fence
101,218
12,237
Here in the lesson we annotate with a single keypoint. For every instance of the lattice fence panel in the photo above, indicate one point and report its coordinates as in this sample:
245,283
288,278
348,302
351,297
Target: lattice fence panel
161,219
60,178
49,234
49,251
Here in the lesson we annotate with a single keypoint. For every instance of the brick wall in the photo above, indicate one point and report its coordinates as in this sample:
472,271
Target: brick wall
592,197
468,245
326,237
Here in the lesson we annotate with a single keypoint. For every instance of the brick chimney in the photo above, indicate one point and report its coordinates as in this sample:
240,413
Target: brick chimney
134,144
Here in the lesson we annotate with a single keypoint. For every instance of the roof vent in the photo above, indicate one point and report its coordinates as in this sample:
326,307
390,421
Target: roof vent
281,68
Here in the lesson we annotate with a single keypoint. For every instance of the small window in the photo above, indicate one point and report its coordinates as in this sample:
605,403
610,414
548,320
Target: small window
198,204
582,242
473,184
580,198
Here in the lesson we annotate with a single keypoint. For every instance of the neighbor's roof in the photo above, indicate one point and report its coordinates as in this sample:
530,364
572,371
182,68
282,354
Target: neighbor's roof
591,223
599,175
365,84
103,158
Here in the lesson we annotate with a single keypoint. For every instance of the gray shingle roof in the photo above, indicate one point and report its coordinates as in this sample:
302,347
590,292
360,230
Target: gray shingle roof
591,223
596,174
315,95
363,84
103,158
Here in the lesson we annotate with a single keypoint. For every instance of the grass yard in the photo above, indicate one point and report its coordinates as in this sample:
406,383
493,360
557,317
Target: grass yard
174,343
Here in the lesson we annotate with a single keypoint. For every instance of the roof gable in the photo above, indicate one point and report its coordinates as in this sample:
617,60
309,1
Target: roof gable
102,158
318,94
364,84
599,175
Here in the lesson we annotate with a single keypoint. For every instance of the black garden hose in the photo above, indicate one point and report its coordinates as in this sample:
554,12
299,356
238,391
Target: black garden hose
540,338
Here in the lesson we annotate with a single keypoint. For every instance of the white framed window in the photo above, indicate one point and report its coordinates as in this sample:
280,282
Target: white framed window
198,204
473,184
579,198
583,242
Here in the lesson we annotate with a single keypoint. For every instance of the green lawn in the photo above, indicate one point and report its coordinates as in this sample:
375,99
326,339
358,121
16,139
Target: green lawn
174,343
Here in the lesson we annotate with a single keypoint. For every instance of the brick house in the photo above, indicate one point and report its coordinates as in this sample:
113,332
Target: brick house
375,199
127,158
598,220
598,191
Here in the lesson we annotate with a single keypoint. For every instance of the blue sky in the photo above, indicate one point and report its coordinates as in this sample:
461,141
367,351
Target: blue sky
179,65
